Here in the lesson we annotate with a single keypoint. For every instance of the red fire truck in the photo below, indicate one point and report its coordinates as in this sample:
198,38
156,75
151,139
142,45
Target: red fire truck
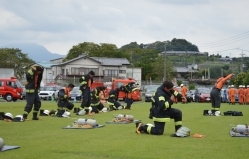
10,89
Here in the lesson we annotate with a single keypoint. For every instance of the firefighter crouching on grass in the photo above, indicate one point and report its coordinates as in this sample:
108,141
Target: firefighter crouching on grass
128,89
96,104
112,101
162,112
34,78
85,87
63,102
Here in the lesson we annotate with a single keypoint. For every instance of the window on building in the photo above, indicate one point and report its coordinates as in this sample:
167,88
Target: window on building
122,71
111,73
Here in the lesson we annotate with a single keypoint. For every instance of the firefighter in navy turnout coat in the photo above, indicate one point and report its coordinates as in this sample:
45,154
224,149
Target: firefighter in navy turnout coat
162,111
63,103
128,89
96,104
112,101
34,78
85,87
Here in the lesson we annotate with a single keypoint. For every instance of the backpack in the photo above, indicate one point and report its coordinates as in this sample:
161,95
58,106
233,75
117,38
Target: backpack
233,113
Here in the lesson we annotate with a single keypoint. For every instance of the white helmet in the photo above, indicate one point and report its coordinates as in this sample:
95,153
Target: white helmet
210,112
81,121
18,118
82,112
91,122
130,117
90,109
104,110
183,132
181,84
1,144
46,112
217,113
66,114
120,107
8,115
232,85
120,116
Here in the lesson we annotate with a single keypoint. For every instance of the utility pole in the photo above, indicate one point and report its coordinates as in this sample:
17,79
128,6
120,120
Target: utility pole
164,77
242,55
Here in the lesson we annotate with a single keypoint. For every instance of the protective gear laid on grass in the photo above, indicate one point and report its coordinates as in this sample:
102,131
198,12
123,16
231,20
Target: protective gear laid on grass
8,117
18,118
233,113
182,132
240,130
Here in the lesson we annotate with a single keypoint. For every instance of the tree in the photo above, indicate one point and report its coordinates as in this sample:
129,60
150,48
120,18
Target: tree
239,79
246,79
14,58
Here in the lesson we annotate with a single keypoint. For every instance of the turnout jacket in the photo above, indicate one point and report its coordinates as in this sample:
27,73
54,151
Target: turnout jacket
162,103
113,94
33,82
63,94
85,82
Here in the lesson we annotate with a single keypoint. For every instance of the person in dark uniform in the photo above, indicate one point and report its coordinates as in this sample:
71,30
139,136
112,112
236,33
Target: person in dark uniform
112,100
128,89
215,92
85,87
63,102
34,78
162,111
96,104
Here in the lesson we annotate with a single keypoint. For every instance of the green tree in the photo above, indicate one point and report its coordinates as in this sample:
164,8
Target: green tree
239,79
14,58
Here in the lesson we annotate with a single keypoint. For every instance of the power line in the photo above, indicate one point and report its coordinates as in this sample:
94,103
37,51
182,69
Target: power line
233,37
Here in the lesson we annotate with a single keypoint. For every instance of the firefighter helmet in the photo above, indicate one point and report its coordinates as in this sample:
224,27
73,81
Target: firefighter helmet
120,116
18,118
46,112
82,112
91,122
130,117
8,116
104,110
183,132
217,113
1,144
66,114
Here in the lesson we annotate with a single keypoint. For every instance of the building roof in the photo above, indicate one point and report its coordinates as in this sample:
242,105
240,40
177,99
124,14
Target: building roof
57,59
111,61
105,61
184,69
45,65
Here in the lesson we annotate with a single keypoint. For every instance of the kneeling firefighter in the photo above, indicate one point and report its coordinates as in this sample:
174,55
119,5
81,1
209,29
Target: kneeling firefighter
128,89
96,104
163,112
112,101
63,100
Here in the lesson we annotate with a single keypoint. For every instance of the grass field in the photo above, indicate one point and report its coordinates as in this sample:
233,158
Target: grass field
46,138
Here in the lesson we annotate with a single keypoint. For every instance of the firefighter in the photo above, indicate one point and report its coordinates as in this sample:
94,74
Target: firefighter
233,93
241,94
245,92
128,89
112,101
63,100
96,104
34,78
247,95
228,94
176,89
215,92
85,87
162,111
184,91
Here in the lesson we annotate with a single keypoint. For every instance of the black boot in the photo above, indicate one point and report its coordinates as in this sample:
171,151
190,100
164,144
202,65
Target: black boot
75,110
25,116
35,116
41,112
60,113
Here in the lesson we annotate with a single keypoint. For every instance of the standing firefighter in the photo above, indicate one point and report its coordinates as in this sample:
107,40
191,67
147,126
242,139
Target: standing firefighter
184,91
85,87
215,93
112,101
34,78
163,112
63,103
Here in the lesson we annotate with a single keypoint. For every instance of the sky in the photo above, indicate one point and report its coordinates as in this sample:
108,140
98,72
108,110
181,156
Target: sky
215,26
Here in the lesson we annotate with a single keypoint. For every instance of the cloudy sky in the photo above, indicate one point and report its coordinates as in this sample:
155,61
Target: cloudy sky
215,26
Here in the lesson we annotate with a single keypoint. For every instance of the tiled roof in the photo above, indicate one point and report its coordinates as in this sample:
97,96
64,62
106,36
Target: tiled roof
111,61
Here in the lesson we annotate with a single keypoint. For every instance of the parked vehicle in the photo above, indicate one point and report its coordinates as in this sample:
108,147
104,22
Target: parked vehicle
48,91
149,91
202,95
75,94
191,94
10,89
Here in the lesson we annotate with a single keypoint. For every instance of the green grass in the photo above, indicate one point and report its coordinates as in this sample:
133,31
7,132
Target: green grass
47,139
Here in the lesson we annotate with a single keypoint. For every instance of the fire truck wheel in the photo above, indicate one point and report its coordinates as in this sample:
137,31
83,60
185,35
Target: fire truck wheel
8,98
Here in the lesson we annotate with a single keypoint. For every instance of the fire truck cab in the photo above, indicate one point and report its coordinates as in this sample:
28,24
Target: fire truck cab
10,89
116,83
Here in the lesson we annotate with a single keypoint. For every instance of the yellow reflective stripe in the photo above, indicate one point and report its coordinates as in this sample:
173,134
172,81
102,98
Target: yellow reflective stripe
84,82
178,123
175,93
161,98
216,109
161,119
112,95
153,94
30,91
86,108
166,105
95,104
65,96
149,129
134,89
30,72
109,103
153,100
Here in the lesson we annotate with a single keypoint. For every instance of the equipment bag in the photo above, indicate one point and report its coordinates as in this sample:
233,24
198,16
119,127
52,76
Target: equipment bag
233,113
